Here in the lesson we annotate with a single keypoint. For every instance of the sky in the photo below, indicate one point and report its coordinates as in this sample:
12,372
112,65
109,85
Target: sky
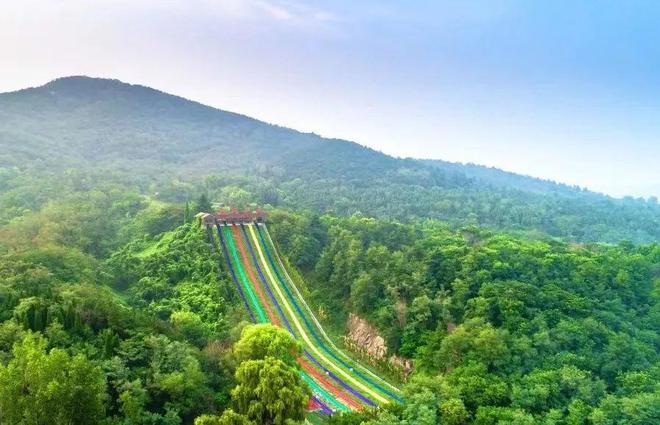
562,90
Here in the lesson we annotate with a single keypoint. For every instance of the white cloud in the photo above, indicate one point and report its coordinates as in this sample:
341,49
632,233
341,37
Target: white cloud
292,13
274,10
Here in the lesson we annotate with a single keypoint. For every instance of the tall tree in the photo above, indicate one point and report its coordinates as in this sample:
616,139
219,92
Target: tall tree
37,387
203,204
269,389
260,341
269,392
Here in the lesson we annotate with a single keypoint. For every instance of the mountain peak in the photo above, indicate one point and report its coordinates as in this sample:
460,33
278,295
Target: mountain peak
84,86
82,82
84,91
81,78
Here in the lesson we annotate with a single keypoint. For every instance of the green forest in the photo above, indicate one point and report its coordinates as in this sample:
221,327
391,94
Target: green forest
80,131
519,301
115,308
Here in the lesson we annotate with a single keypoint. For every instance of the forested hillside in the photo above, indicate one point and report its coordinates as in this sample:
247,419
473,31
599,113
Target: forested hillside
77,133
518,301
134,315
502,179
502,330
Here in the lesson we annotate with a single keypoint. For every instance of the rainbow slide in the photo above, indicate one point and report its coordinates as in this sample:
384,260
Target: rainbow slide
338,382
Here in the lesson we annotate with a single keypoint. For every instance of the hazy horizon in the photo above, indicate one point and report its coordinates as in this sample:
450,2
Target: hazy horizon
563,92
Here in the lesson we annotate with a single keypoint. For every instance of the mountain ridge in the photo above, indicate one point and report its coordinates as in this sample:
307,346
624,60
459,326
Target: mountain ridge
70,82
153,139
70,94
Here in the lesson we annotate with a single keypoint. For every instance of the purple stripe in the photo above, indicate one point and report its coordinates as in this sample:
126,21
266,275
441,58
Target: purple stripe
324,407
233,274
279,309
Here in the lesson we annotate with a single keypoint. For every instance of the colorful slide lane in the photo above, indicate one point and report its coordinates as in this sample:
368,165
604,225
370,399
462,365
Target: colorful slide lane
259,318
236,246
270,296
273,318
357,368
304,363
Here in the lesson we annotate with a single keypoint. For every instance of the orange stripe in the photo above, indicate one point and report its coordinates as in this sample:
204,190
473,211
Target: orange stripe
328,385
255,283
320,378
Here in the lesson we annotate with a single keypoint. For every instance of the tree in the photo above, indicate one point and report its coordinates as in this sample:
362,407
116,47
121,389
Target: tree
269,392
477,341
640,409
453,412
269,389
207,420
38,387
191,327
229,417
203,204
186,213
489,415
177,375
264,340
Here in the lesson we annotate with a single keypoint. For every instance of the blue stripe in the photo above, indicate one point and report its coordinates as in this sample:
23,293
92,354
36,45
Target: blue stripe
309,326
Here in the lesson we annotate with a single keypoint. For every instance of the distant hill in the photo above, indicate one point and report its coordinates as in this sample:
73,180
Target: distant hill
142,137
498,178
81,121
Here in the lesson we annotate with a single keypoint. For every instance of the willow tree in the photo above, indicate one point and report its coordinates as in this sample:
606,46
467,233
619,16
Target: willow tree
269,392
269,389
38,387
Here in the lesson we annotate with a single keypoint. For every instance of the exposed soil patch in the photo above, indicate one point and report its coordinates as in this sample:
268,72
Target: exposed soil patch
365,338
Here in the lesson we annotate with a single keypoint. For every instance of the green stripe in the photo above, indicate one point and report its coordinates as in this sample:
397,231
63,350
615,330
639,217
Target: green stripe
265,242
322,392
242,277
264,319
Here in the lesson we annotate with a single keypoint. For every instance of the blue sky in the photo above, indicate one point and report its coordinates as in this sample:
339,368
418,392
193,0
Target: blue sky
568,91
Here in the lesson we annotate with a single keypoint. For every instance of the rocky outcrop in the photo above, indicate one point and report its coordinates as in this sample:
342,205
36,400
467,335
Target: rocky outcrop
404,364
365,338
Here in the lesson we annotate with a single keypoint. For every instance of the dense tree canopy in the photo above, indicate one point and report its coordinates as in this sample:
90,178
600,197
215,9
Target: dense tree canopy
115,319
501,329
38,387
76,134
123,288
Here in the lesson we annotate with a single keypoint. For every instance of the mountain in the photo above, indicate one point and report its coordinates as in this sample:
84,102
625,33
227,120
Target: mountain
108,131
88,122
498,178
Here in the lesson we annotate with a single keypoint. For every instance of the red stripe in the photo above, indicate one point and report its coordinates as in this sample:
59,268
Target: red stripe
255,282
320,378
313,405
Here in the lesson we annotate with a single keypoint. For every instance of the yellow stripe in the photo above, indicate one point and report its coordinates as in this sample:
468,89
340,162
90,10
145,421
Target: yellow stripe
300,328
318,325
